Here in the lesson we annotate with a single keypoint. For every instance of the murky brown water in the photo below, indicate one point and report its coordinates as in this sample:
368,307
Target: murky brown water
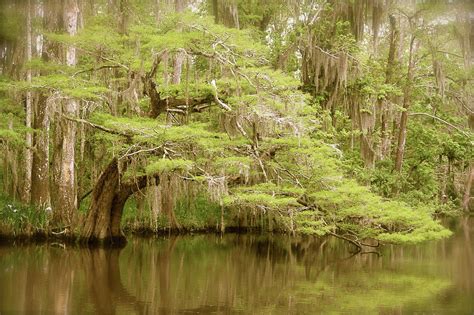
240,274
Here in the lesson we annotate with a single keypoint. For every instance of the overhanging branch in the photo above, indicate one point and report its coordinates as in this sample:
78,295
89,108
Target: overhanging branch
96,126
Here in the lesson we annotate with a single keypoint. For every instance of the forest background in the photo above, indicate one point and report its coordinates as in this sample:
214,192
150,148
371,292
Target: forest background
345,118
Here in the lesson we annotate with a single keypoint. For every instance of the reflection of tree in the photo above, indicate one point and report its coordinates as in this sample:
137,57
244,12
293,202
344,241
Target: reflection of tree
463,254
102,275
239,273
40,279
163,258
467,224
267,275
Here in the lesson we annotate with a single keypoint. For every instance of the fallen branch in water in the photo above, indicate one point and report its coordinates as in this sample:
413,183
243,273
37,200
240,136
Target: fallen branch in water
60,233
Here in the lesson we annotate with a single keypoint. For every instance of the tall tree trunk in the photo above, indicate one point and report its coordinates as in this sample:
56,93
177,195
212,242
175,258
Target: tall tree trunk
98,224
181,53
215,10
366,125
466,201
29,111
467,46
67,201
179,59
226,12
466,36
123,24
468,186
10,171
179,5
53,13
40,175
402,134
391,64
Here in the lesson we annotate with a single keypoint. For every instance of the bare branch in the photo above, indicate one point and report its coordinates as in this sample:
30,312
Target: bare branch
112,131
216,98
126,155
440,120
96,69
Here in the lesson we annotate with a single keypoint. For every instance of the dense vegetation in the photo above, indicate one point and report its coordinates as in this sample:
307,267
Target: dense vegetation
343,118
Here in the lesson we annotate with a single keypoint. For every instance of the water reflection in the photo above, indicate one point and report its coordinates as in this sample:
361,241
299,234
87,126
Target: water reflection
240,274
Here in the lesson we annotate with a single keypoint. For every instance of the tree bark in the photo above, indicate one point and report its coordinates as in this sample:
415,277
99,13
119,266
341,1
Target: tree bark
179,58
159,105
40,175
123,24
102,223
29,111
215,11
40,193
10,171
391,63
466,202
226,13
179,5
402,135
66,181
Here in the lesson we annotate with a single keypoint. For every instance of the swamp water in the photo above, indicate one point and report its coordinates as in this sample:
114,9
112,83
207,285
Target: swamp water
240,274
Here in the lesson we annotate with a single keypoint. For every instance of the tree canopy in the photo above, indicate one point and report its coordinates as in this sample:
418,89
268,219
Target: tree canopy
295,112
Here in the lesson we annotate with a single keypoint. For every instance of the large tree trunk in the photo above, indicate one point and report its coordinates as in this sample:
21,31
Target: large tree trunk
109,195
10,170
157,105
402,136
40,175
466,202
366,125
180,5
40,193
29,111
407,94
179,59
124,18
391,64
66,181
226,12
180,54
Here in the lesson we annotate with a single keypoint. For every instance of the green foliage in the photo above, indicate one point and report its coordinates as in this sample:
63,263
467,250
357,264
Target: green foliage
11,22
11,125
352,208
198,214
263,201
166,166
368,295
12,137
18,219
277,151
271,188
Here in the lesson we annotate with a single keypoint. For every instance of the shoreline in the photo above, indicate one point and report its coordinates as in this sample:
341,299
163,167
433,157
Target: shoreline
75,240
